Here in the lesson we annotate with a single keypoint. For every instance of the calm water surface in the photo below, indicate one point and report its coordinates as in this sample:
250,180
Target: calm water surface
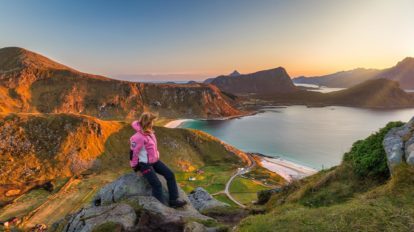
316,137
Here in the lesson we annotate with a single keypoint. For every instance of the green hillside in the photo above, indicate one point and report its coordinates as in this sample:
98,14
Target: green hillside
55,163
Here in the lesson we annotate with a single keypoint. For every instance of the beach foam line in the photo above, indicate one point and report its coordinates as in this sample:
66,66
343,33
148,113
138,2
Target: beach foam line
288,170
176,123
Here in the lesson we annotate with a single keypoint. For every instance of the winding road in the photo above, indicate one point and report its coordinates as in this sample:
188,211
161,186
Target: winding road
240,171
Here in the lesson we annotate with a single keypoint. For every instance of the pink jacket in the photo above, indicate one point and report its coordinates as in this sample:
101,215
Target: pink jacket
143,147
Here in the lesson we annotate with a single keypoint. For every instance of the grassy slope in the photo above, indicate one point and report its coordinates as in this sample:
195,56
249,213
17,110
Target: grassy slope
387,207
183,150
245,190
343,199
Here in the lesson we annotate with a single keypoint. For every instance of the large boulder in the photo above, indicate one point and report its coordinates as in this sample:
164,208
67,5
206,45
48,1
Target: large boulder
409,151
202,200
126,186
399,145
394,147
88,219
128,204
195,227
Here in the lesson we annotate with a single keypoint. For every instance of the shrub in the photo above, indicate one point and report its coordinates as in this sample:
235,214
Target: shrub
367,157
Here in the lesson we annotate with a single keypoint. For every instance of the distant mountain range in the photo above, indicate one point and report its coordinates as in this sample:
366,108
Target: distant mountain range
377,93
373,88
403,72
262,82
30,82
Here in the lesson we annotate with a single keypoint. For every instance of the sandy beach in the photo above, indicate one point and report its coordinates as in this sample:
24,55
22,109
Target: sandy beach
176,123
286,169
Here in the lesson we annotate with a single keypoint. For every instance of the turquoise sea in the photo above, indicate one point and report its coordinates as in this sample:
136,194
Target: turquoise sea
315,137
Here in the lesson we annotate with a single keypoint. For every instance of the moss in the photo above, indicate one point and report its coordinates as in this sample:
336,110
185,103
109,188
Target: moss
212,223
223,211
108,227
134,204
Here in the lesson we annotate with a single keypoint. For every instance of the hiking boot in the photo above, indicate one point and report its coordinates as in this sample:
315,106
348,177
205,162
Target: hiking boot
177,203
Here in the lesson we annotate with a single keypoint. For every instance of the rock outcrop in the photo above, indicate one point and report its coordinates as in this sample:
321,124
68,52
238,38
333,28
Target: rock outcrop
127,203
399,145
36,149
202,200
92,218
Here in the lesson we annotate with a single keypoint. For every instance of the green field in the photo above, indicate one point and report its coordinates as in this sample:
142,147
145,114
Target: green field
245,190
213,180
223,198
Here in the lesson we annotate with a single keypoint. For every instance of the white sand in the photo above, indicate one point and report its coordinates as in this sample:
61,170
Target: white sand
176,123
286,169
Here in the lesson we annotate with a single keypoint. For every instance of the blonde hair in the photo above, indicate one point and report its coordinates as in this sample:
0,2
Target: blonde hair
146,121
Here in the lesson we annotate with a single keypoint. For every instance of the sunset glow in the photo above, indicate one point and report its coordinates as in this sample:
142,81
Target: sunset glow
209,38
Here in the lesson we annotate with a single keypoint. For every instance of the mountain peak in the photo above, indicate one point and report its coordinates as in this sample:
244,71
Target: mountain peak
235,73
12,58
406,61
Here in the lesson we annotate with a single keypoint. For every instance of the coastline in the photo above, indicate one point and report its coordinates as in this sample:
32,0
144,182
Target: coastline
289,170
176,123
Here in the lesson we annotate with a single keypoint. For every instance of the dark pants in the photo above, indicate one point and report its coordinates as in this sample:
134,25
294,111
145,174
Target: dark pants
149,172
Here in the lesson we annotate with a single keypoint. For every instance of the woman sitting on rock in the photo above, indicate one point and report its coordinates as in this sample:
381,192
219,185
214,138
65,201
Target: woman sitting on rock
144,157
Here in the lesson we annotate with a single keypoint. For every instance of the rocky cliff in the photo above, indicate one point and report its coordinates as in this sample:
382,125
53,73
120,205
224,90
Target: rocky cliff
30,82
270,81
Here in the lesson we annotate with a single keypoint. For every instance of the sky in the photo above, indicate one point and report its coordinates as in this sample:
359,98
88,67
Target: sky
192,40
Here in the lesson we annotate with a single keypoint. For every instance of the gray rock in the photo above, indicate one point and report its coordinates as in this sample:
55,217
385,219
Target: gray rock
409,150
90,218
167,214
117,205
398,144
126,186
131,185
410,158
202,200
194,227
394,148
